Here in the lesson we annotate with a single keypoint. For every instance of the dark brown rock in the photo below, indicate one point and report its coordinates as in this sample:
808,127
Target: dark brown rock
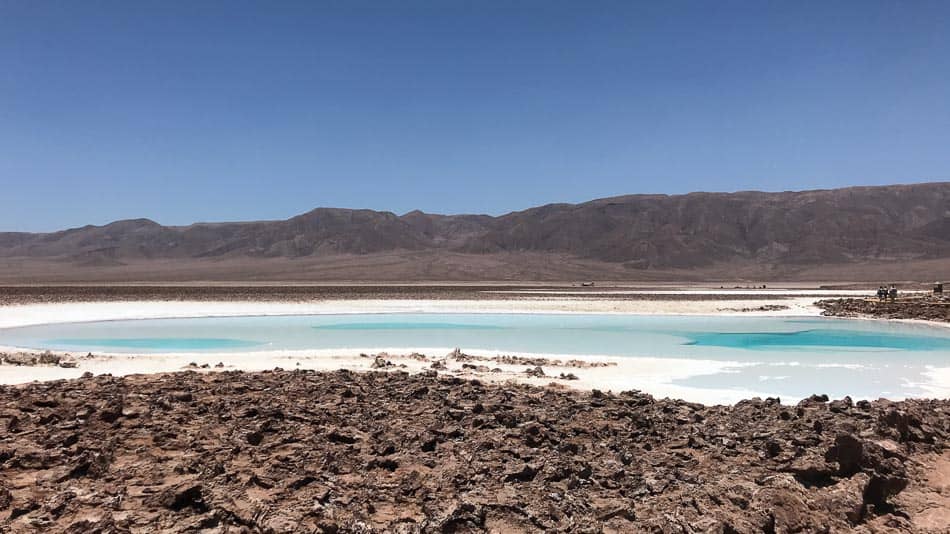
388,451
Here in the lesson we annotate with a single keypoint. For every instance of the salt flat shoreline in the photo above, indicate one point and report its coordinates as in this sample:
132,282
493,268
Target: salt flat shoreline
66,312
653,375
648,374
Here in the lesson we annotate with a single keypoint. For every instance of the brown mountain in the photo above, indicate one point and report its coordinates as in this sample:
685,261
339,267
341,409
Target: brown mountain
748,234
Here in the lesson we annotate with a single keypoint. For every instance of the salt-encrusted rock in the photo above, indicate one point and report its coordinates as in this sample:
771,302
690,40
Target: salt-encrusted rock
536,372
381,363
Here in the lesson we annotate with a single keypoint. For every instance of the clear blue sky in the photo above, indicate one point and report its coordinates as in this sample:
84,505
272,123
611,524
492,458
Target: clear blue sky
199,111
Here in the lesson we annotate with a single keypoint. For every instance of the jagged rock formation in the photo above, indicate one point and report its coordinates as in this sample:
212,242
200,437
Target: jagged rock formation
391,452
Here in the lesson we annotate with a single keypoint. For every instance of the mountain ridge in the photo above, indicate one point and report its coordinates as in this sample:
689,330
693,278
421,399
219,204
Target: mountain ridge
640,232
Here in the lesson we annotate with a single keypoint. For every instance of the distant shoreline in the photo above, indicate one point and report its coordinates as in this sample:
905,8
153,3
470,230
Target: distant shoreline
924,309
293,292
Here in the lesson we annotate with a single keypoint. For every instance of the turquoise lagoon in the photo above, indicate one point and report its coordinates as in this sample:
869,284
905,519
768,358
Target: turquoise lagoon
786,356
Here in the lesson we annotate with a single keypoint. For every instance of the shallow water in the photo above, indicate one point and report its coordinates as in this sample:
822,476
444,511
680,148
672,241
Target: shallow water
787,356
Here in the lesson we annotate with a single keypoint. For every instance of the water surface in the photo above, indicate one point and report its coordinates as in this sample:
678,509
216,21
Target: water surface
786,356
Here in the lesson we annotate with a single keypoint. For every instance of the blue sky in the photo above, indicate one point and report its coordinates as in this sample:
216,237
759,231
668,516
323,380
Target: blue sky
205,111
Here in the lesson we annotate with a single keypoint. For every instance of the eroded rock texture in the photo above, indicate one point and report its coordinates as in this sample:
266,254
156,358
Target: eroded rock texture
385,451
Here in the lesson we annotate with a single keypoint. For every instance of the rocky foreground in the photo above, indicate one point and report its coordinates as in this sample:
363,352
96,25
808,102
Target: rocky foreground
303,451
924,308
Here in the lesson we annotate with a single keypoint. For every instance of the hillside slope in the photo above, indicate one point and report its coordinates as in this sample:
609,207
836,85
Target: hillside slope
749,231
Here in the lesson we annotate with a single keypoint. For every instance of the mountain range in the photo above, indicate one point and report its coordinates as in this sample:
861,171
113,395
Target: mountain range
868,231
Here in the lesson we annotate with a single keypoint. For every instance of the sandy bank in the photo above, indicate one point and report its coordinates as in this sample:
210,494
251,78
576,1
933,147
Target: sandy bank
65,312
655,375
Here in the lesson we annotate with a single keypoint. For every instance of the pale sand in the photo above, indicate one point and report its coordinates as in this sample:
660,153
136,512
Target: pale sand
31,314
652,375
822,293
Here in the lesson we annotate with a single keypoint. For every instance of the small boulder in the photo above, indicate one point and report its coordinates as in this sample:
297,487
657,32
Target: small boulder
181,497
536,372
523,473
254,438
848,452
49,358
841,406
